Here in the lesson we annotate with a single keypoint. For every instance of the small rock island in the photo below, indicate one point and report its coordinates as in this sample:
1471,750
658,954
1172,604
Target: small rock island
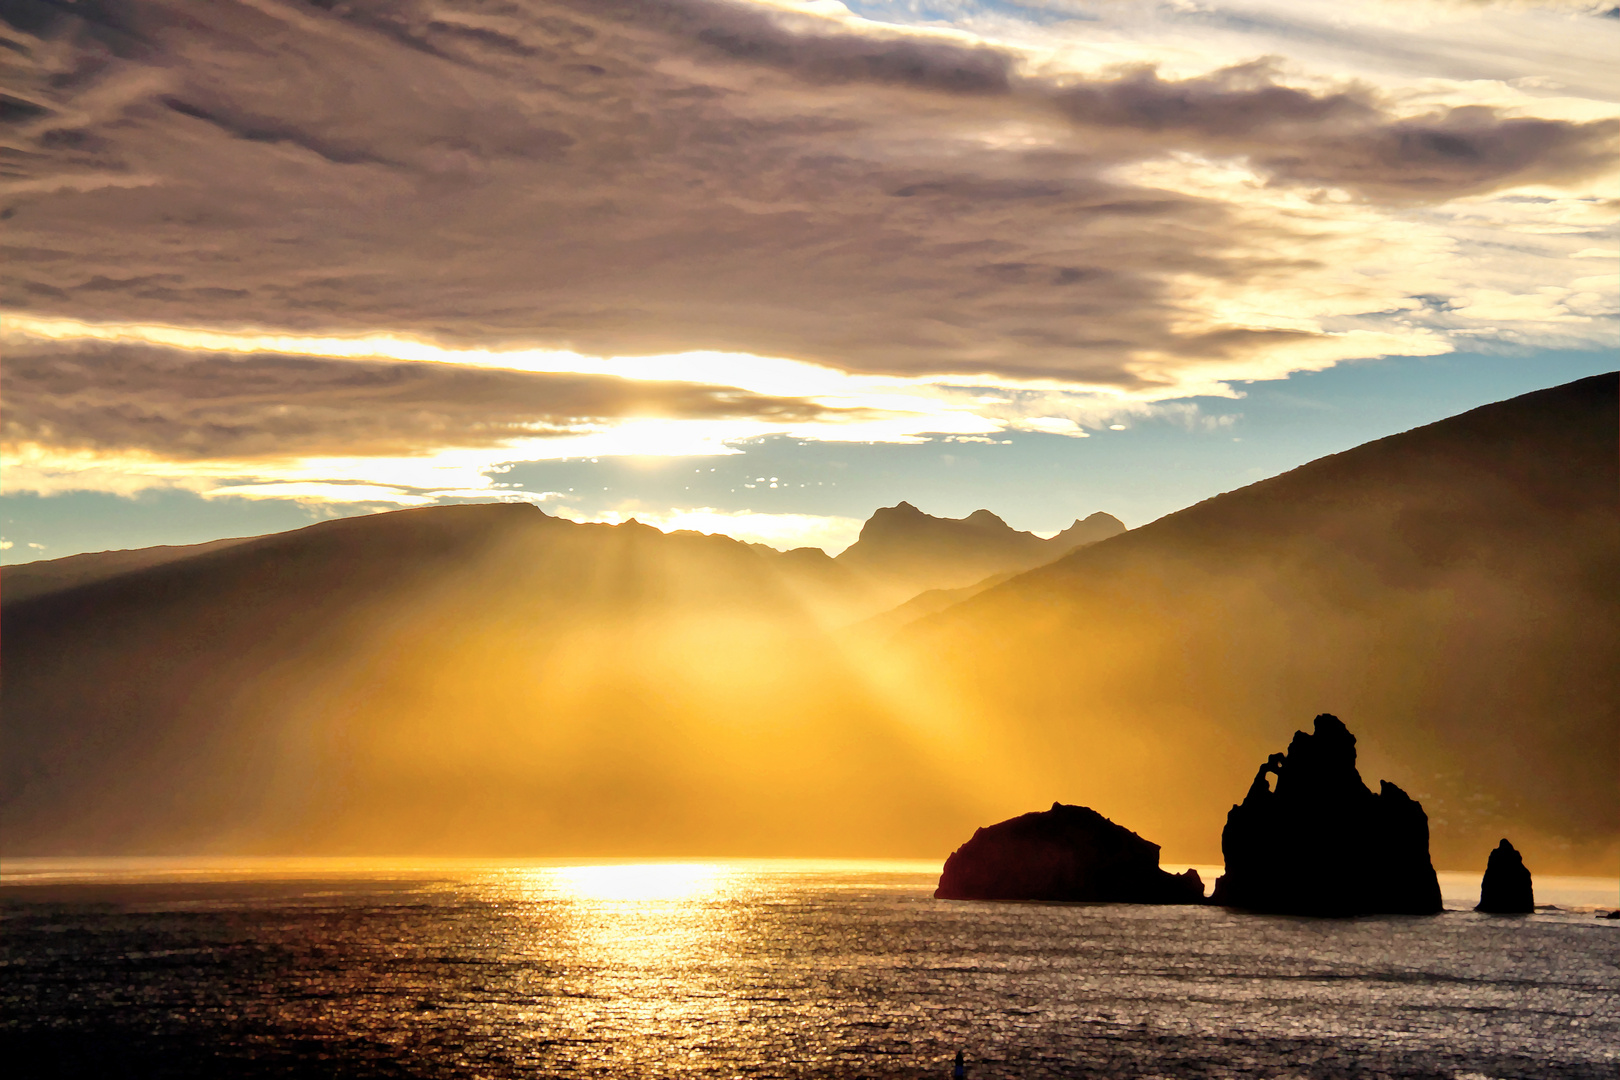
1067,853
1321,843
1506,889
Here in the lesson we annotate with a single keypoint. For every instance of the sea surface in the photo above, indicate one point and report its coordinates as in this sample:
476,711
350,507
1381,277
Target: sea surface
279,968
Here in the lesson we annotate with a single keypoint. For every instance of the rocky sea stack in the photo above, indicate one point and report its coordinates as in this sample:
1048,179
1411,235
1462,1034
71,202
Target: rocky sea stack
1506,889
1067,853
1321,843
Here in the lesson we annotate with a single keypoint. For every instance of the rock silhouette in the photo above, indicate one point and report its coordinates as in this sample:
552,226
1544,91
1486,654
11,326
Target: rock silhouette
1506,889
1321,843
1069,853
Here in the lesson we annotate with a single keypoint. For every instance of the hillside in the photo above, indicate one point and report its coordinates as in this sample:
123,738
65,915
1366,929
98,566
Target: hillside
1452,592
472,678
932,602
23,580
378,681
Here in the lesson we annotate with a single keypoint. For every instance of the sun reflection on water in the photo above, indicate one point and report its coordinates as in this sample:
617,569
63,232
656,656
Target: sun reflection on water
619,971
639,916
639,883
650,951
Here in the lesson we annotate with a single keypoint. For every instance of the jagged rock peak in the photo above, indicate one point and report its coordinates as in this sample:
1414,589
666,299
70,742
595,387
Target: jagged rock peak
1089,530
1320,764
1506,888
1320,842
912,551
901,519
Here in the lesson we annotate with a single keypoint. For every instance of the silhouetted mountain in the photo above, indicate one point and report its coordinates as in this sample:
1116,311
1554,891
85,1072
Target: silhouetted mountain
1455,588
1322,843
1506,888
1067,853
907,551
491,680
469,678
826,584
23,580
1089,530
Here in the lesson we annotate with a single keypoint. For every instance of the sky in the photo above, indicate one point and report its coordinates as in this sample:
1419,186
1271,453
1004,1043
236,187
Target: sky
761,267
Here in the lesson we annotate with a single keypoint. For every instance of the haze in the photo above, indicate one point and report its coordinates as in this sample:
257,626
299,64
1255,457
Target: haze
748,272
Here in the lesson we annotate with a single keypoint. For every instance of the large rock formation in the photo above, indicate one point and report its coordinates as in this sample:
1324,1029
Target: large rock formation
1066,853
1322,843
1506,889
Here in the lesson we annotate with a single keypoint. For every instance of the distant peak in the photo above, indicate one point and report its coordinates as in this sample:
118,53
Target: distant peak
1089,530
984,517
901,513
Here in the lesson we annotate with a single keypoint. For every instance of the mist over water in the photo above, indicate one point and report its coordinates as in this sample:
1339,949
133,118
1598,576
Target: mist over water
771,968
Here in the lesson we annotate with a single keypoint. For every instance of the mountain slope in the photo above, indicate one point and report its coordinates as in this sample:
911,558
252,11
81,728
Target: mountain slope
23,580
474,679
921,606
1452,592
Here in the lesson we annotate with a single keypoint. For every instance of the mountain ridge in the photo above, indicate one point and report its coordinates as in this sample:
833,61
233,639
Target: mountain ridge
23,581
18,581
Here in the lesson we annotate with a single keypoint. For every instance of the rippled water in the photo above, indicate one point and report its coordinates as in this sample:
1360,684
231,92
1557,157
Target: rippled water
763,969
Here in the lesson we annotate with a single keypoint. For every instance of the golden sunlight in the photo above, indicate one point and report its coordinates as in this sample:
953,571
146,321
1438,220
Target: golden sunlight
639,883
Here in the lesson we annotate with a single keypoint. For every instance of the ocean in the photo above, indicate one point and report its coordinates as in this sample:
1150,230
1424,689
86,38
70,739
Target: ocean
304,968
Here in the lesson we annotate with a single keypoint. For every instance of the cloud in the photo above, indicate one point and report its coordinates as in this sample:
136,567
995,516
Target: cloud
1346,138
1343,137
314,492
631,177
124,413
118,407
185,406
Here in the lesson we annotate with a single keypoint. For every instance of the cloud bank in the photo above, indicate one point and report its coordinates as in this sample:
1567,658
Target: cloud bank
653,176
1098,203
115,407
181,405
